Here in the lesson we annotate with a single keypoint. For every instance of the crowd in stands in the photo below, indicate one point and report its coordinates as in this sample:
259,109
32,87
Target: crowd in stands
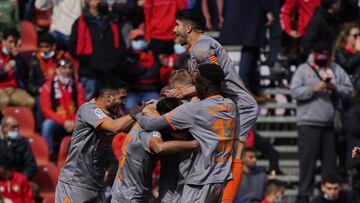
78,44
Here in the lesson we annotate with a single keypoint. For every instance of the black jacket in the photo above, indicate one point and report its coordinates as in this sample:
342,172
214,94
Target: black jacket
244,22
20,156
348,61
344,197
105,59
321,31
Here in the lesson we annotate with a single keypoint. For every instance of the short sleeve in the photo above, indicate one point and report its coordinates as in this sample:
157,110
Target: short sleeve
205,53
146,137
93,115
182,117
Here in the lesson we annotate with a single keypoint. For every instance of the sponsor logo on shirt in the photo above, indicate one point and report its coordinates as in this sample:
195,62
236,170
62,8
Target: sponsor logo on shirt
100,114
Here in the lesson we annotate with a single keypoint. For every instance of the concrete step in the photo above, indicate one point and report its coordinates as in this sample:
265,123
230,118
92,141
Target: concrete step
276,119
278,106
286,149
278,134
273,91
283,163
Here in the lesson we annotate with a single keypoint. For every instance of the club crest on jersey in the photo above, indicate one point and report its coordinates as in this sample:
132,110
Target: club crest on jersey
100,114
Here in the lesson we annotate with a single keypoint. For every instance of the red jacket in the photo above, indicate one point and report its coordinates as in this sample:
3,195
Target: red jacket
66,108
9,77
16,188
160,18
306,10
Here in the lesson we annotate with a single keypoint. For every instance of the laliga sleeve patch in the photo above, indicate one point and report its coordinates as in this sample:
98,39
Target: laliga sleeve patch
156,134
99,113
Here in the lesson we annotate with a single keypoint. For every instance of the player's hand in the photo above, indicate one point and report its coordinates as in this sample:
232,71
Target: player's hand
294,34
176,92
355,152
319,87
150,110
135,110
69,126
270,19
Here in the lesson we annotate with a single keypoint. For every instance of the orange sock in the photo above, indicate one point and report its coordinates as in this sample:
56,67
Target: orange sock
232,186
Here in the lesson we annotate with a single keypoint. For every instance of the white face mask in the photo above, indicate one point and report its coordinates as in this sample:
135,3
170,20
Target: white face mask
48,55
64,80
138,45
178,49
13,135
5,51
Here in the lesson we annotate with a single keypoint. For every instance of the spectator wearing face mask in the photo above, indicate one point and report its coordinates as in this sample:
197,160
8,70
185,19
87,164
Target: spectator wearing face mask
13,72
332,192
96,42
18,150
42,68
316,85
143,72
60,99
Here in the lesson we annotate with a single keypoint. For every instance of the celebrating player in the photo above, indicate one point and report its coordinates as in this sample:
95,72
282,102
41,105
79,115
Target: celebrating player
81,178
211,121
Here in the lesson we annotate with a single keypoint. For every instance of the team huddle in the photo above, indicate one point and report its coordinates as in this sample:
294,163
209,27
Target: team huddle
197,131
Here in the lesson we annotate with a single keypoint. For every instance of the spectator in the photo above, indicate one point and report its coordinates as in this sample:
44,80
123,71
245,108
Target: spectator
26,9
322,28
97,44
332,192
145,80
250,16
18,150
160,23
253,181
64,13
274,192
213,12
14,184
347,51
42,68
60,99
315,85
13,73
9,16
304,10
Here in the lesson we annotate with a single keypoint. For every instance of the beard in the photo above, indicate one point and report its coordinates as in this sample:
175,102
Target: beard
115,108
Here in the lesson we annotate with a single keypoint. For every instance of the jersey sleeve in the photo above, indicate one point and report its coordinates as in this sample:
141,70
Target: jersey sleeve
146,137
93,115
182,117
205,53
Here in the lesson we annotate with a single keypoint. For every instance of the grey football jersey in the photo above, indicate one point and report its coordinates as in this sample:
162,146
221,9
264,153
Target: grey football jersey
208,50
133,180
85,164
211,122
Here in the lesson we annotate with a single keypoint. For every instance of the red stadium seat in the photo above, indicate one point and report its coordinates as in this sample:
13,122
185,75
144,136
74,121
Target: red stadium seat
29,36
63,151
42,18
40,149
46,177
25,118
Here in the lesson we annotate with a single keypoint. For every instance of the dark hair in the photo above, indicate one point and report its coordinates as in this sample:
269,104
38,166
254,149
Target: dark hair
213,73
328,3
11,32
165,105
249,149
111,84
46,38
273,186
330,178
192,16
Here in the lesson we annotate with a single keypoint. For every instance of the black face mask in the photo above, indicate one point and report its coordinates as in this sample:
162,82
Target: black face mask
103,8
321,62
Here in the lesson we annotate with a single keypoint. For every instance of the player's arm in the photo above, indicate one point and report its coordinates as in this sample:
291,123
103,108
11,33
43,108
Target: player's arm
116,125
158,146
152,123
181,92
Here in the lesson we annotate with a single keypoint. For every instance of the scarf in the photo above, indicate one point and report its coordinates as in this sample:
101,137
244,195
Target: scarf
84,41
64,98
